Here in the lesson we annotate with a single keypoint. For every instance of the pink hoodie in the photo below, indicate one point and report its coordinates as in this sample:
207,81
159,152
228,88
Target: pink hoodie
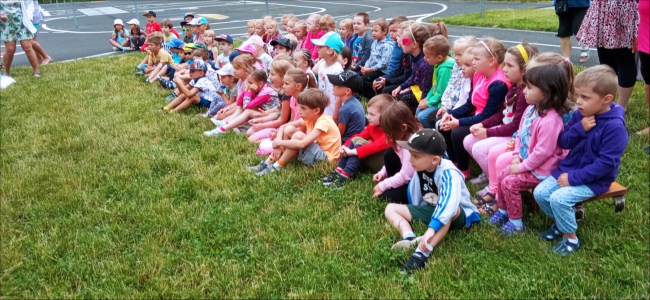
544,153
308,45
403,176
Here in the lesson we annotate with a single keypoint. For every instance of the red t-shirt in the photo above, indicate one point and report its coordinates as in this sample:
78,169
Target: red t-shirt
174,32
153,27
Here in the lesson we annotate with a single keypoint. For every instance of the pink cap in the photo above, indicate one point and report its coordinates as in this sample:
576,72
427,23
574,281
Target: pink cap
255,40
246,47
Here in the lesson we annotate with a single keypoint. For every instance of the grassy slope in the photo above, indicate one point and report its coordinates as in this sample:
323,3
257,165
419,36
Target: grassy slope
104,197
528,19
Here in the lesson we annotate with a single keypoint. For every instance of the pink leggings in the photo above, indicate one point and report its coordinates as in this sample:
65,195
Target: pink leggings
510,187
479,149
264,133
498,159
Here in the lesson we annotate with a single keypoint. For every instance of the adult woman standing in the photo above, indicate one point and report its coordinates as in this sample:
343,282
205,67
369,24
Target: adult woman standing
13,29
611,26
644,52
570,22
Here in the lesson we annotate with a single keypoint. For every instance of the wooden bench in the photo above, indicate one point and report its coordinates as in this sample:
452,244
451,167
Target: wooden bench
616,191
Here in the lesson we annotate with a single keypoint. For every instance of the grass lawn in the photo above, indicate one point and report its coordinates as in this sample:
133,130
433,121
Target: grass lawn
104,197
528,19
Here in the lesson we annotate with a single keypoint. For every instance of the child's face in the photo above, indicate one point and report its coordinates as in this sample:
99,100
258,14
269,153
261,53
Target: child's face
194,74
290,27
289,86
392,30
324,51
590,103
225,47
309,114
240,73
534,95
196,28
270,30
300,33
188,19
208,40
458,54
422,161
258,84
276,79
342,30
153,47
511,69
312,25
251,29
133,26
408,44
187,30
341,91
167,31
358,25
260,30
119,27
468,65
377,33
373,116
226,80
433,58
151,19
300,61
482,59
342,60
280,50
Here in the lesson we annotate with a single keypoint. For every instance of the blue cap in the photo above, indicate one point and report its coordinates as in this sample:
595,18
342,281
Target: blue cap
330,39
199,65
203,20
175,43
233,55
225,38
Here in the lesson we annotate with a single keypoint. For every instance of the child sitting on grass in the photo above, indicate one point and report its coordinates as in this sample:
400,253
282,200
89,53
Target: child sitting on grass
352,119
380,54
436,51
365,148
228,94
201,94
273,34
314,32
437,197
169,33
361,41
120,39
158,58
257,95
597,138
314,138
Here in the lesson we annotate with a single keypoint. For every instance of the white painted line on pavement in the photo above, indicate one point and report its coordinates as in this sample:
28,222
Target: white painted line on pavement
92,56
46,13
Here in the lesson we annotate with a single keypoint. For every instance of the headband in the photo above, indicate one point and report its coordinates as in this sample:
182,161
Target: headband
412,35
523,52
486,47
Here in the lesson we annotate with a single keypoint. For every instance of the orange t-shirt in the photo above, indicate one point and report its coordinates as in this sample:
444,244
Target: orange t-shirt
330,139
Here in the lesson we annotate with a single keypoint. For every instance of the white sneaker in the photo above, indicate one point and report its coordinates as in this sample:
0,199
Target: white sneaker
405,244
6,81
116,49
218,123
124,49
215,132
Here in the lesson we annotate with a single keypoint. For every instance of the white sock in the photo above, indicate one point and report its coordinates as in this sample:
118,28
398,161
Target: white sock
574,241
409,234
503,212
425,254
277,165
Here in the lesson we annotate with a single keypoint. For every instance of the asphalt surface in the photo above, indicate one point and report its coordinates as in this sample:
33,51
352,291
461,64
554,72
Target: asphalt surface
84,31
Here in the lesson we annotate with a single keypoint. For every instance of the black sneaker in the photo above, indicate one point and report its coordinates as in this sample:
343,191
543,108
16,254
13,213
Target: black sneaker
327,180
339,181
416,262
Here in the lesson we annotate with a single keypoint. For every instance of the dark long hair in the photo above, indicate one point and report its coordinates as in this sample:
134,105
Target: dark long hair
391,121
553,81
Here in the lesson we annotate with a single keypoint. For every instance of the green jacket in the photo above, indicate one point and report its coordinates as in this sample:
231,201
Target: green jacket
441,76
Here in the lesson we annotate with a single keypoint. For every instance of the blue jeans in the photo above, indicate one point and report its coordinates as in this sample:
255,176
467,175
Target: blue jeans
558,202
423,114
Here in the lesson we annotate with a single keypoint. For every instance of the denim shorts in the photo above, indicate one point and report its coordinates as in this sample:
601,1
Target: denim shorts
170,72
204,103
312,154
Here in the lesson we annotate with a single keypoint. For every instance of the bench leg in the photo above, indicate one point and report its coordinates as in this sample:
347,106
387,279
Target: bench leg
579,209
619,203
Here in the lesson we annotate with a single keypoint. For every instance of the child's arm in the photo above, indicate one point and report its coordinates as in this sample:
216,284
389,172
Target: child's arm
497,92
342,127
258,100
375,146
546,134
299,144
449,195
183,89
365,52
442,80
614,140
403,176
276,122
574,134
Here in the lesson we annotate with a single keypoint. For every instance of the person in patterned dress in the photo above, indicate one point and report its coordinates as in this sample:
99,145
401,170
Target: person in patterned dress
12,30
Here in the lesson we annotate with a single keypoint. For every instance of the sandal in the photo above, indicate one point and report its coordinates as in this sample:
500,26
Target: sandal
584,54
487,208
37,74
480,200
47,61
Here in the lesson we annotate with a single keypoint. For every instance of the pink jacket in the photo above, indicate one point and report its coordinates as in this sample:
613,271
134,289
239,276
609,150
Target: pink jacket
308,45
403,176
480,93
544,153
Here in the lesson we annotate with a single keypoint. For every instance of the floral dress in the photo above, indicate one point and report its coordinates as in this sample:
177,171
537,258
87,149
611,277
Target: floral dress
610,24
13,30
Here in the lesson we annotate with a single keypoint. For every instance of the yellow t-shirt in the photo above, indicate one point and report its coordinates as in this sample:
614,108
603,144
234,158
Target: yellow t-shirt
330,139
163,57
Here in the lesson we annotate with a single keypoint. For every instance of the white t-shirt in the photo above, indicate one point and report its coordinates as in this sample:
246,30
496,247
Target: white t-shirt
223,60
207,89
324,83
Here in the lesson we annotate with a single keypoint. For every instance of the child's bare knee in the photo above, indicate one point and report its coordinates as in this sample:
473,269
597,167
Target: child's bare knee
253,138
299,135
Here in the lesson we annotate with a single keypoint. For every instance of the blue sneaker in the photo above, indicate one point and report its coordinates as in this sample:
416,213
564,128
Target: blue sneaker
551,234
564,247
498,219
510,228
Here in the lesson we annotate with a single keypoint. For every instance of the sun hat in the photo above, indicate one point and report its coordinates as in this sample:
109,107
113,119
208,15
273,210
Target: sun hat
195,22
134,22
330,39
227,70
188,15
255,40
248,48
118,22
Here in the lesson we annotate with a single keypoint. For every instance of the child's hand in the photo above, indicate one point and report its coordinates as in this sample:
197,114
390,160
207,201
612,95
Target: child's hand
260,114
349,152
273,134
475,127
377,178
379,83
510,146
515,160
3,17
424,240
480,133
396,91
112,36
423,104
252,87
588,123
220,92
441,112
450,124
257,127
563,180
514,168
342,151
376,191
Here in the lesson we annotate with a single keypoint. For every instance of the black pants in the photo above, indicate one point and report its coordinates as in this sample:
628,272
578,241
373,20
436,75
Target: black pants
645,66
389,89
393,166
455,148
623,62
368,79
409,99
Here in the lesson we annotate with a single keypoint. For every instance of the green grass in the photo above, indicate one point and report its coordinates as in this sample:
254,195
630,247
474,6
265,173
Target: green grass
528,19
104,197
